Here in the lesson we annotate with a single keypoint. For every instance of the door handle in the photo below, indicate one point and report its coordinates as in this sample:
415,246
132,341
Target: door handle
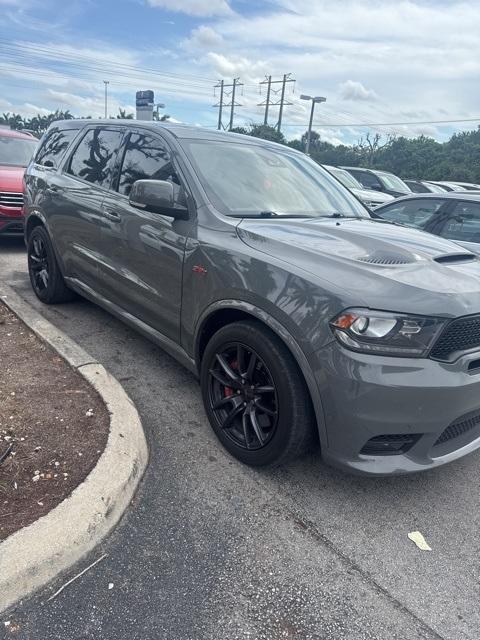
111,215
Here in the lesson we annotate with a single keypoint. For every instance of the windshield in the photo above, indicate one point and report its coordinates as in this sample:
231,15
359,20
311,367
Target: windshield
16,152
248,179
394,182
346,178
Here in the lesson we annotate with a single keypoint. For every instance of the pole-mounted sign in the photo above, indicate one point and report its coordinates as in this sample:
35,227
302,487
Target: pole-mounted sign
144,101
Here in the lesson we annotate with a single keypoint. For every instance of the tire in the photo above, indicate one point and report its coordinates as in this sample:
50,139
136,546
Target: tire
265,416
45,276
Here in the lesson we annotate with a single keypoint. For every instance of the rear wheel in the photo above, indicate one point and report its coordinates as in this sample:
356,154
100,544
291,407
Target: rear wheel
45,276
255,396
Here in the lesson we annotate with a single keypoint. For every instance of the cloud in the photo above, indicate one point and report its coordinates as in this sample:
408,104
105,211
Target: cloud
351,90
237,66
194,7
203,38
379,62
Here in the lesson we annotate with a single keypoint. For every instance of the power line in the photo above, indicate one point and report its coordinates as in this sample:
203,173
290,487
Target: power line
42,51
171,86
83,64
386,124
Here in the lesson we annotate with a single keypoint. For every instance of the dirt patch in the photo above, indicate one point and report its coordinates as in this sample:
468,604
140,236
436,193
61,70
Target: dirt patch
54,421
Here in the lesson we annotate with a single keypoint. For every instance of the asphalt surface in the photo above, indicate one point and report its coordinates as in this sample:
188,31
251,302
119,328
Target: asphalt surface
213,550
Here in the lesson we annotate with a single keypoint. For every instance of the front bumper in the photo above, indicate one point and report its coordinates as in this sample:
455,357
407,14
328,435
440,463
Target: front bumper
12,220
367,396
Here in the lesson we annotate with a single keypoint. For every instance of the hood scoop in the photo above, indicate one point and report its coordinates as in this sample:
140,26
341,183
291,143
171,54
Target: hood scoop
456,258
387,258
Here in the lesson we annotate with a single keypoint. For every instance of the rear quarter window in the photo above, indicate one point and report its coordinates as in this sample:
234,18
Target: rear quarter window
54,145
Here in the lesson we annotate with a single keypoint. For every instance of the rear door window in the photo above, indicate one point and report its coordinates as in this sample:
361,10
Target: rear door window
94,158
54,146
412,213
463,224
146,158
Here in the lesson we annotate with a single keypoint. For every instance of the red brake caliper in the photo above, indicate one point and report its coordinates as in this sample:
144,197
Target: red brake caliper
228,390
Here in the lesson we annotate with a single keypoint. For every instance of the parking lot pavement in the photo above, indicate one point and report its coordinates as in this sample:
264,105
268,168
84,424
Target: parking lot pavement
213,550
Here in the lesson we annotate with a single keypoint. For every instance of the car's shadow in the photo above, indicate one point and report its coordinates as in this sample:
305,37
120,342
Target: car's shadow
11,243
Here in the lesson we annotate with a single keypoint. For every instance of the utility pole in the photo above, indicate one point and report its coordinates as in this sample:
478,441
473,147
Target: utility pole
280,112
106,82
220,105
281,103
268,82
232,104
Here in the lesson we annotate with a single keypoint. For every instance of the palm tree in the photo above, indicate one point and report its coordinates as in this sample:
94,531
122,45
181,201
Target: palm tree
123,115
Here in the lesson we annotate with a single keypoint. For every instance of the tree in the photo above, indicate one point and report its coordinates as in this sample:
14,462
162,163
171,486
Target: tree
13,120
123,115
264,131
164,118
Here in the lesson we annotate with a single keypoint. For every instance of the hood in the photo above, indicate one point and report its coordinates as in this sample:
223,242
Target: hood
379,265
11,179
369,195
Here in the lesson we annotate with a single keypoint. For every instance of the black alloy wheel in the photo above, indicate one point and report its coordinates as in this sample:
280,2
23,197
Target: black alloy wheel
255,396
38,264
45,275
243,397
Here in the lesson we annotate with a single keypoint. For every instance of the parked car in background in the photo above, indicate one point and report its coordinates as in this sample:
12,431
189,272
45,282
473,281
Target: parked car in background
453,215
16,150
469,186
448,186
369,197
421,186
382,181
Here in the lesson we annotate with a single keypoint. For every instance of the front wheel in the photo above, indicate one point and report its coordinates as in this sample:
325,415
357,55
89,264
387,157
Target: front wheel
45,276
255,396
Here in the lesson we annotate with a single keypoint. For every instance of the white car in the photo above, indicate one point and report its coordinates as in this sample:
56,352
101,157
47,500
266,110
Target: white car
368,196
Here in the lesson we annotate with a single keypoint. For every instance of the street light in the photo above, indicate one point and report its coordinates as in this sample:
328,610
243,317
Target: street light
314,101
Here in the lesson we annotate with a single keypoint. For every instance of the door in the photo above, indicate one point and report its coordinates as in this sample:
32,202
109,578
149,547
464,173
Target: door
463,225
76,217
143,259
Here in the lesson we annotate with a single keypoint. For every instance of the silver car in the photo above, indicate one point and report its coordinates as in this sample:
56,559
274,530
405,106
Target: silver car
369,197
306,319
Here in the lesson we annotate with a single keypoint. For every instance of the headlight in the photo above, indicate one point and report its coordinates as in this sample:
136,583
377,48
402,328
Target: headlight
384,333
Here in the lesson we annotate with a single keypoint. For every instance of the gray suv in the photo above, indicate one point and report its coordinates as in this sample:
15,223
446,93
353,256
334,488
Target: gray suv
305,317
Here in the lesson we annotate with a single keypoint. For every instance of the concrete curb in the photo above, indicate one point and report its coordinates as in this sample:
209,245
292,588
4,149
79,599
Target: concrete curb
33,556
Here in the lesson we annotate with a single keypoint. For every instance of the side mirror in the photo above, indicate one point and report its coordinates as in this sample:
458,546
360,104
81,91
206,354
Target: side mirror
156,196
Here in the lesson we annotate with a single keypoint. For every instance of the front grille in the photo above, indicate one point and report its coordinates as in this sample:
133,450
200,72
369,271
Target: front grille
11,199
458,428
460,335
390,444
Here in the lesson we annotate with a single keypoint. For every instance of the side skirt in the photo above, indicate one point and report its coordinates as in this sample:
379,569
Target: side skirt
168,345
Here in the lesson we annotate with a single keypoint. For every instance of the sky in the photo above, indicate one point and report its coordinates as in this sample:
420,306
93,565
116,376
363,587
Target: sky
392,67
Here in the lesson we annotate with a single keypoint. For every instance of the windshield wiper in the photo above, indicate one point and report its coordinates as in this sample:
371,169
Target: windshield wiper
271,214
377,218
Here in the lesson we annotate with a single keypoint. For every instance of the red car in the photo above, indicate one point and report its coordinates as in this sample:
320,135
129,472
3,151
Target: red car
16,149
